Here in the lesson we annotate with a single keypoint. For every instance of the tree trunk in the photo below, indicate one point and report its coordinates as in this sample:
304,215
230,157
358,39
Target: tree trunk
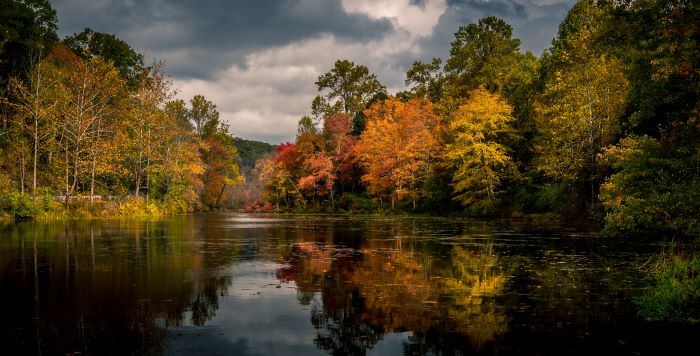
21,172
92,179
218,199
65,197
36,150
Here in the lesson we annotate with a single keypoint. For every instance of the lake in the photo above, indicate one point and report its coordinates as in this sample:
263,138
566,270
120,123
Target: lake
231,284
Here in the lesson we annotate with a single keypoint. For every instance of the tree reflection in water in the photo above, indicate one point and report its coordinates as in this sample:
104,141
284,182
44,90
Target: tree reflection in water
391,287
418,286
102,288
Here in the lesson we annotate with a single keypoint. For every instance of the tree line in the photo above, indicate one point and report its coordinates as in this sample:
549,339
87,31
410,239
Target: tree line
85,116
603,123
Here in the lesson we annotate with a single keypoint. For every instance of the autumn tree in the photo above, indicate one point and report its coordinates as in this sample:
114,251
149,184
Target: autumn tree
90,89
280,174
337,132
177,177
397,147
219,155
275,180
580,110
145,129
480,161
38,106
319,179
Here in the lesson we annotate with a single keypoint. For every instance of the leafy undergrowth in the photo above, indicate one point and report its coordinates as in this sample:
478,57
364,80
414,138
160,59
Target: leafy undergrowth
676,294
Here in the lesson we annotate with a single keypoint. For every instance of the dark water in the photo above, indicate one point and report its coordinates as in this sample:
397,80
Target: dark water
225,284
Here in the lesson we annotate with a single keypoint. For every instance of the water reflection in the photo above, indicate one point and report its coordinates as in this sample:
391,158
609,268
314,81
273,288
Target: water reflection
102,286
222,284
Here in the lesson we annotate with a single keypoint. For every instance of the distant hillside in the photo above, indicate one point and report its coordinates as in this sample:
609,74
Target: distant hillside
250,151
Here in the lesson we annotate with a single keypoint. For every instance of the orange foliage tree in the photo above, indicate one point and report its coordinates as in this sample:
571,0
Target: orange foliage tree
337,130
397,147
320,178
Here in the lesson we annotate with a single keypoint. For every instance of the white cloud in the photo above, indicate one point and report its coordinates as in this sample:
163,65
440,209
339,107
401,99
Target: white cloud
265,98
258,61
418,20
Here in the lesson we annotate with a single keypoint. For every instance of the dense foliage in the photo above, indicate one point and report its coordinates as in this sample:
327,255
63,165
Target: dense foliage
604,123
84,121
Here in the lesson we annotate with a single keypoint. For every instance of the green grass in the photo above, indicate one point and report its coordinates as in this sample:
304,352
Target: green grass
676,294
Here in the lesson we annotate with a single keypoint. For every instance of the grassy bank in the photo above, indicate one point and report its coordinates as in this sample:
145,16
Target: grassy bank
17,206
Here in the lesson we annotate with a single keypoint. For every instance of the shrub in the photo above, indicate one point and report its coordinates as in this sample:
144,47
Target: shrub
676,295
19,205
356,203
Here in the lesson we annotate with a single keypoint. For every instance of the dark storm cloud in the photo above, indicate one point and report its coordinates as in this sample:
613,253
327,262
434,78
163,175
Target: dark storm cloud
498,8
419,3
215,34
534,22
258,59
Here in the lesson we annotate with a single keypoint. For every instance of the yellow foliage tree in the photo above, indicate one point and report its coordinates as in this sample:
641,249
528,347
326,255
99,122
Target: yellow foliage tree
90,90
578,115
479,160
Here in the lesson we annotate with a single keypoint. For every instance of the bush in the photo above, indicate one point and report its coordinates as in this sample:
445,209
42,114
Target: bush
656,188
19,205
257,207
136,207
676,295
356,203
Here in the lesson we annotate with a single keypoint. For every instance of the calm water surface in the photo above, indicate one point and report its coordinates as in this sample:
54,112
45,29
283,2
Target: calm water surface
227,284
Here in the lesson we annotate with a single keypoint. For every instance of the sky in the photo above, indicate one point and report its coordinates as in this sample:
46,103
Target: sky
257,60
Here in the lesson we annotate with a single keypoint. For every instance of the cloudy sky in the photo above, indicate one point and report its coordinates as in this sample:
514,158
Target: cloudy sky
257,60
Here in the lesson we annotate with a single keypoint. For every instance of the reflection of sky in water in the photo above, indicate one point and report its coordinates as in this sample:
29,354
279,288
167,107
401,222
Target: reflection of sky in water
258,318
248,222
250,285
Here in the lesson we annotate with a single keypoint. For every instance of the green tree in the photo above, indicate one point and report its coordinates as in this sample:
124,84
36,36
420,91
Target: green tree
660,42
306,126
177,110
359,120
482,55
203,113
655,187
26,28
520,91
345,89
90,43
426,80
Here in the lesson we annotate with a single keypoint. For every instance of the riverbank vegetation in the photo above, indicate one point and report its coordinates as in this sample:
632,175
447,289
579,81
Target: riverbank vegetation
88,129
602,124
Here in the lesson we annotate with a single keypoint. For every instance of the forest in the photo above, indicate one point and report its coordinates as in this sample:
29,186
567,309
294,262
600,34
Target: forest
88,129
602,124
